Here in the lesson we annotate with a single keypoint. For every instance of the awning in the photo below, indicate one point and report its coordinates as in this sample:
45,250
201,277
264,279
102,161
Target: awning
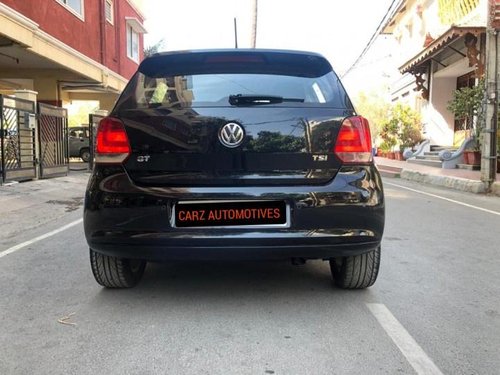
437,46
136,25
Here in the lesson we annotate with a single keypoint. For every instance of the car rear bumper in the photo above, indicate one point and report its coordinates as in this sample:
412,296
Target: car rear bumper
250,245
343,217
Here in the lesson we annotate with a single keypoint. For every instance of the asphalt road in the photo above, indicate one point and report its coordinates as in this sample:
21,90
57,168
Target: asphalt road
434,309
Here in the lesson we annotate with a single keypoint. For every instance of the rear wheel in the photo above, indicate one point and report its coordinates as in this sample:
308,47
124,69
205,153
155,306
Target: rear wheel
356,271
113,272
85,154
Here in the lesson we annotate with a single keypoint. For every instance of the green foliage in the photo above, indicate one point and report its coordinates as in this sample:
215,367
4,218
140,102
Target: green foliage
385,147
374,107
155,48
389,133
81,115
410,126
403,127
275,142
466,104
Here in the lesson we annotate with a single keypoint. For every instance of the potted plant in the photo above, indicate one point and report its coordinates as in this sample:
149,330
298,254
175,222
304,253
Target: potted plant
409,127
384,149
389,133
466,105
403,128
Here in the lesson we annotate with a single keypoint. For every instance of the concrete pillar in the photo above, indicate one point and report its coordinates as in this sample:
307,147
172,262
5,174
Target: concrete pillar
48,91
489,132
26,94
107,102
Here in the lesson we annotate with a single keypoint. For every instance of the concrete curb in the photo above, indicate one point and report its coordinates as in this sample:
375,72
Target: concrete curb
495,188
457,183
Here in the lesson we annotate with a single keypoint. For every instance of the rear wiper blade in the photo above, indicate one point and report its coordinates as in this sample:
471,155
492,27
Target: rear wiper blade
241,99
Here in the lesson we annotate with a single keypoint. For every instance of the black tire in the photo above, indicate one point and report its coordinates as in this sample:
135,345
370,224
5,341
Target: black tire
85,154
356,271
113,272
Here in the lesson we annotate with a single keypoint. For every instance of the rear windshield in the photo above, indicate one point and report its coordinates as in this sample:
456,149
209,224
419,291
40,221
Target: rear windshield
212,83
79,132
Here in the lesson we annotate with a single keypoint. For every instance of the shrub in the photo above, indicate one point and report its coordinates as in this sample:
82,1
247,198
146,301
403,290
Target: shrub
467,105
403,127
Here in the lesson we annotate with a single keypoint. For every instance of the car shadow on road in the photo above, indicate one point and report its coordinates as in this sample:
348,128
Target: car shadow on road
227,281
237,276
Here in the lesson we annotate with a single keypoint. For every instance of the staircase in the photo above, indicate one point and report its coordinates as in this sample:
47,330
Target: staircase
431,158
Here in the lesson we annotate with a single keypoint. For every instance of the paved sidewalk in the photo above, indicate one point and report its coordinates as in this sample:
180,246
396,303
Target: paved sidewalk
26,206
458,179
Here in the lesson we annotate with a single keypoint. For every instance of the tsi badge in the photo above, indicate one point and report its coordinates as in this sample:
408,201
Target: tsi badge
143,158
320,157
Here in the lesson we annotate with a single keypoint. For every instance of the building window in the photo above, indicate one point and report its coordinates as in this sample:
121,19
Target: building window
109,11
134,29
132,44
74,5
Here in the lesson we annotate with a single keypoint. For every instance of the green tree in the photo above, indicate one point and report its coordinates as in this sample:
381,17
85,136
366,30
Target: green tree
80,116
374,107
268,141
409,126
155,48
402,126
467,105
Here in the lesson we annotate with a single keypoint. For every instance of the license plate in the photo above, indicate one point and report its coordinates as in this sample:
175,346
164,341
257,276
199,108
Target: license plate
231,214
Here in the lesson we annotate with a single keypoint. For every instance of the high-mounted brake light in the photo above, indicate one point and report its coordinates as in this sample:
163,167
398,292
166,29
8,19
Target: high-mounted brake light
354,144
112,145
236,58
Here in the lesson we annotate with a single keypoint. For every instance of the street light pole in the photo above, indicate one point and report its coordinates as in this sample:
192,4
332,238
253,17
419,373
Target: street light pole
235,34
488,152
254,25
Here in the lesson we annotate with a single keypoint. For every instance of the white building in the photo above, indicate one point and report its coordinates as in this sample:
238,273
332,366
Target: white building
441,48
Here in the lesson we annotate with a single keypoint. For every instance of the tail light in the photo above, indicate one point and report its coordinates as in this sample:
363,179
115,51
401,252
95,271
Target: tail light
112,145
354,143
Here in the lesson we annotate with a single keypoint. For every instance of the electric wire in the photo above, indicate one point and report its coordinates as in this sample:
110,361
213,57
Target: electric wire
373,37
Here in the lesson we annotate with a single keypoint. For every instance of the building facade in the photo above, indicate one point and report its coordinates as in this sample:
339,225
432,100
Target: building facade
441,48
68,50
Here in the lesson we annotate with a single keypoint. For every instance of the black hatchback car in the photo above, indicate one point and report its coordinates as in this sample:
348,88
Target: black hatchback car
234,154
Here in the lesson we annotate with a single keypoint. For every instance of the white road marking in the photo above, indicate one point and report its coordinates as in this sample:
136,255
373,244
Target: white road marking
39,238
414,354
444,198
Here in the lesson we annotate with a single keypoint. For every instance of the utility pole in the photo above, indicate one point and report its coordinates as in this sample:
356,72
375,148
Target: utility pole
254,25
489,152
235,34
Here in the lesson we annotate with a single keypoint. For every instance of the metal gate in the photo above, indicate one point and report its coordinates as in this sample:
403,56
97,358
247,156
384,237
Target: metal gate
17,139
94,120
53,138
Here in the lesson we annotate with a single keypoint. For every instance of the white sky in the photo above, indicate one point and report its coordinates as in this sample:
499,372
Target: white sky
338,29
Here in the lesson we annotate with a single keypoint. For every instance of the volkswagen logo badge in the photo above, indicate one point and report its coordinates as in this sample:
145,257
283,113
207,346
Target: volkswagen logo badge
231,135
